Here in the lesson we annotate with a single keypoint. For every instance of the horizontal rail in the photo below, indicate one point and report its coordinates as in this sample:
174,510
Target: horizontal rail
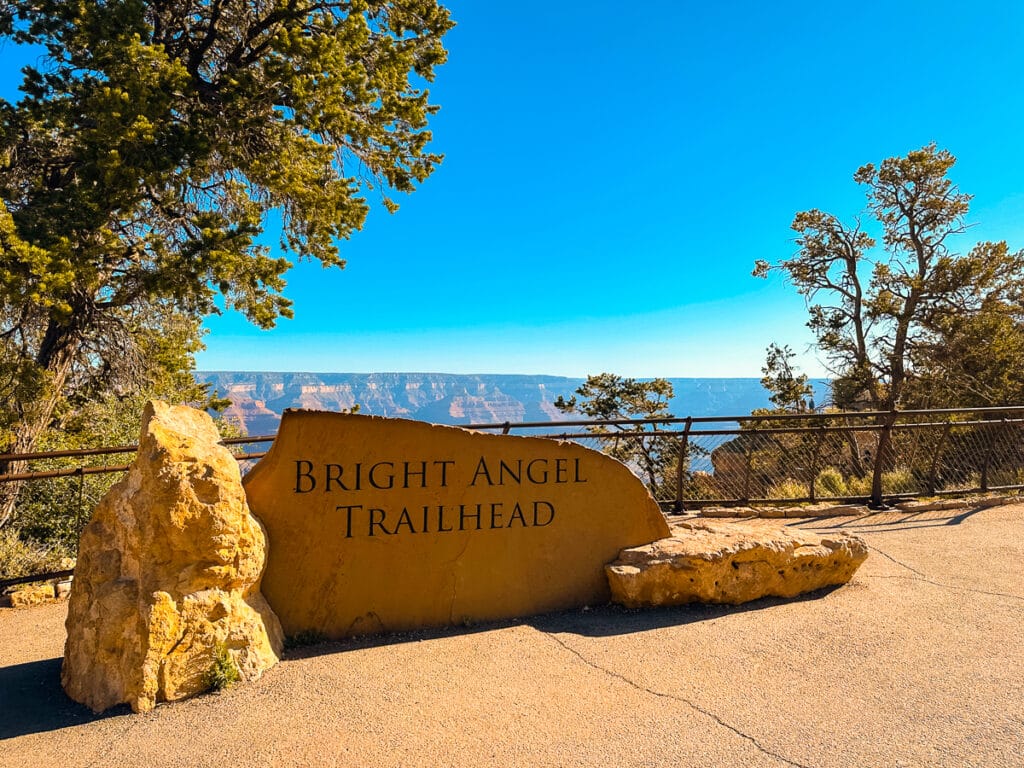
114,450
747,418
827,425
36,577
827,418
788,501
76,471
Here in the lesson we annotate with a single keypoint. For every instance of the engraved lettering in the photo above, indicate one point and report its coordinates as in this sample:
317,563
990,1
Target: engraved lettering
304,470
481,469
547,508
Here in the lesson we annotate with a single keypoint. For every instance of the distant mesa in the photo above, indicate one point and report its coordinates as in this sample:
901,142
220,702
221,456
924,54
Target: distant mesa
259,398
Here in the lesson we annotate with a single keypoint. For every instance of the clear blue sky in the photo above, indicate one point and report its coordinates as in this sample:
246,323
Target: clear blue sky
612,172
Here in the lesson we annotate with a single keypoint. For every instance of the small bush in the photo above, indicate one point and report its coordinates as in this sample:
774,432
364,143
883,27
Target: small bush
702,485
896,481
830,482
223,673
788,489
899,481
24,557
858,486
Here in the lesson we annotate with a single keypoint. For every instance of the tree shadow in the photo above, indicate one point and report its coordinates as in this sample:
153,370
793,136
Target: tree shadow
33,701
892,520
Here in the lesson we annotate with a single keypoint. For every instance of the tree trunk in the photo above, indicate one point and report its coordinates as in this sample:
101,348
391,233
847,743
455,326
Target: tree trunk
56,356
882,460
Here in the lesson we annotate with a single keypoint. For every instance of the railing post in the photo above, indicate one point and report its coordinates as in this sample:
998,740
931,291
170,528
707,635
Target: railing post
681,462
80,473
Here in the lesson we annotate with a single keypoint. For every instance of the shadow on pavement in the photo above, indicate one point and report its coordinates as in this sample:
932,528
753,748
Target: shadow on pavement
32,701
602,621
882,522
610,620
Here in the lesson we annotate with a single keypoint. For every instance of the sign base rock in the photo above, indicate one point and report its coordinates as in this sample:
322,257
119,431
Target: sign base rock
711,561
168,578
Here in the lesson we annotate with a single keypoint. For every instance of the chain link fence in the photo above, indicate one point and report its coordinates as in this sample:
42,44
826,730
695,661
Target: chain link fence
867,457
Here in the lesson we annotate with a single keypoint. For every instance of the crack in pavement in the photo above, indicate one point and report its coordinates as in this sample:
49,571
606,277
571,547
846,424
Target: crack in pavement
920,576
680,699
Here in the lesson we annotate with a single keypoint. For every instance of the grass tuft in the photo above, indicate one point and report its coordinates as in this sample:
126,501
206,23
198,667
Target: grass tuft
223,673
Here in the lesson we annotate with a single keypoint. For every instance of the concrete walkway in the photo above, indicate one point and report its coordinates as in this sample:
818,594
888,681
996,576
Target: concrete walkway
919,661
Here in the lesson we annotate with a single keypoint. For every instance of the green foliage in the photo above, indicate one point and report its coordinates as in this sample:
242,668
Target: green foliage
789,390
830,482
703,485
900,480
150,145
21,556
223,672
154,138
608,396
886,319
787,489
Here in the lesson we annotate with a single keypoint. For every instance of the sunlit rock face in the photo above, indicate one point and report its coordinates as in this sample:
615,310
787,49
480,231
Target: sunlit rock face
712,561
168,574
378,525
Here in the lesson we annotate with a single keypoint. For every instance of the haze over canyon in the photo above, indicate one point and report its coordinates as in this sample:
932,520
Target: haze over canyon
259,398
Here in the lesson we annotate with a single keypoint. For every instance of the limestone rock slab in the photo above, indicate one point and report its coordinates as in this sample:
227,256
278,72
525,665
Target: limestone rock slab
380,525
168,574
712,561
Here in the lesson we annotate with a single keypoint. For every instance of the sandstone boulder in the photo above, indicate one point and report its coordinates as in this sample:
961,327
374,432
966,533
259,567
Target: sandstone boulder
733,562
34,594
168,574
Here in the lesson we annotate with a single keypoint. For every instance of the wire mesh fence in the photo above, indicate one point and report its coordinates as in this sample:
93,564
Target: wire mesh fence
687,463
844,457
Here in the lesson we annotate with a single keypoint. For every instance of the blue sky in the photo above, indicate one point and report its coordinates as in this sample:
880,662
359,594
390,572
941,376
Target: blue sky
612,172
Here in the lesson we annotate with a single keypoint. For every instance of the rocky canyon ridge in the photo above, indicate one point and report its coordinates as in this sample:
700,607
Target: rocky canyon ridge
259,398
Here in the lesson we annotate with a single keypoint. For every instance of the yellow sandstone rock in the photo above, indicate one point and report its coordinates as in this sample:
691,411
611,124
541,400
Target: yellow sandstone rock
34,594
733,562
386,524
168,574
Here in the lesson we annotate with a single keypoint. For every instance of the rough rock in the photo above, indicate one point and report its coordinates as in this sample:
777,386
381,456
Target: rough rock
798,511
931,505
713,561
728,512
168,574
35,594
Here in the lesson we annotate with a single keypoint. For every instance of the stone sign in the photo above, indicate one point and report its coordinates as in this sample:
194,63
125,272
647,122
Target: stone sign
381,524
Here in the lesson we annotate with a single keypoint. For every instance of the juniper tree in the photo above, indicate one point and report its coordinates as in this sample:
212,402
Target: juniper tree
152,141
899,324
610,397
882,316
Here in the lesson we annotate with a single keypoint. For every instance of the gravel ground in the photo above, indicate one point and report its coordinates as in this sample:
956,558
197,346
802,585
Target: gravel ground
919,661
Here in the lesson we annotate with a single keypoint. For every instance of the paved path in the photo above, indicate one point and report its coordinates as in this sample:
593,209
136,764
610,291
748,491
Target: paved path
919,661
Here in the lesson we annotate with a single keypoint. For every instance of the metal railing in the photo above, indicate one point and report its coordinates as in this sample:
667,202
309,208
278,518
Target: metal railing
872,457
692,462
